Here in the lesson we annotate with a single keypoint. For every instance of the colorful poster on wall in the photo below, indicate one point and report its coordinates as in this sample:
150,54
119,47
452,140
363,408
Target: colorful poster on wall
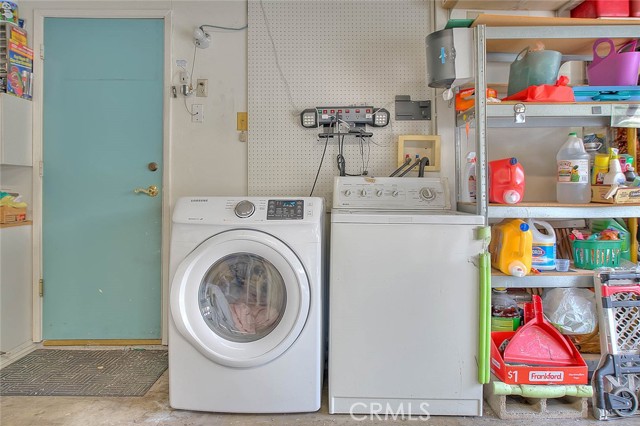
19,72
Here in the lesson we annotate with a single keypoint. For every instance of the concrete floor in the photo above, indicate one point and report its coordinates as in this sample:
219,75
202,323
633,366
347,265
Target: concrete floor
153,409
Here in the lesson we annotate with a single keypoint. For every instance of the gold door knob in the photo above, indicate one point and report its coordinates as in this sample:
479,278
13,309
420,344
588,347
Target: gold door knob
151,191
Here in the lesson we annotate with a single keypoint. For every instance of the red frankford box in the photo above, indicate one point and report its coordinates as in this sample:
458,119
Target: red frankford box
519,374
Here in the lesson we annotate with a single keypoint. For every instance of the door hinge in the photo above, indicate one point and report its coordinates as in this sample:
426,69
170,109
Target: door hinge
41,287
42,52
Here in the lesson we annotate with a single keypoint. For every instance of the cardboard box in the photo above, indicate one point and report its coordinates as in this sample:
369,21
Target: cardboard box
630,195
535,375
12,214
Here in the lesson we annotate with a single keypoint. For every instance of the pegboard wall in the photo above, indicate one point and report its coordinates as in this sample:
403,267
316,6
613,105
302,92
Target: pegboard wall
308,53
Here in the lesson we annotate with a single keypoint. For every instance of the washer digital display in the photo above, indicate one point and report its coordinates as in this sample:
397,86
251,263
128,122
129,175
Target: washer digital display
285,210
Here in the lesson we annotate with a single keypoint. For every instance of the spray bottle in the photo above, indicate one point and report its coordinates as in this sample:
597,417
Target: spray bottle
468,192
615,175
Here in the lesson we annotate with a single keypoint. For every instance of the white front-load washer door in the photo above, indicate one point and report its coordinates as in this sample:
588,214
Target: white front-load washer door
241,298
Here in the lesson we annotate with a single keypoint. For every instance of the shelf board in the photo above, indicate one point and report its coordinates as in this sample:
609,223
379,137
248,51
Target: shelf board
16,224
571,36
552,5
546,279
539,114
549,279
551,210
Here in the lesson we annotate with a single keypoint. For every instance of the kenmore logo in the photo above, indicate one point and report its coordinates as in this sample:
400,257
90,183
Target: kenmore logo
546,376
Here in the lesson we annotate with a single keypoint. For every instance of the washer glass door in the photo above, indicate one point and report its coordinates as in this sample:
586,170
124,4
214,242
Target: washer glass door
241,298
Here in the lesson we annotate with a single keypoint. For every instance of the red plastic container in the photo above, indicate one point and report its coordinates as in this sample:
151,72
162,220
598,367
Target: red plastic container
634,8
506,181
601,8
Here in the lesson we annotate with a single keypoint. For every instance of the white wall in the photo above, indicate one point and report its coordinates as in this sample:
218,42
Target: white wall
206,158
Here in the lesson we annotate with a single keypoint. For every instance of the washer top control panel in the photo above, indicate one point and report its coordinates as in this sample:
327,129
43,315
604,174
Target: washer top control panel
391,193
285,210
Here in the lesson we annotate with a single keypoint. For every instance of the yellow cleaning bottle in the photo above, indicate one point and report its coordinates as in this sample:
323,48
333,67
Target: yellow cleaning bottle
511,247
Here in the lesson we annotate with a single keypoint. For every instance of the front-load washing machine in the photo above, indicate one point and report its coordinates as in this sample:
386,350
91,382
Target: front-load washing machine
245,333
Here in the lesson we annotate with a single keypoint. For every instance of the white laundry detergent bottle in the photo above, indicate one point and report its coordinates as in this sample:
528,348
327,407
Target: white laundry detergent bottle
543,253
573,184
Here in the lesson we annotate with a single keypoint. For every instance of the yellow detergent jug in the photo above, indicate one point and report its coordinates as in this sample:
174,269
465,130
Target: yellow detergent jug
511,247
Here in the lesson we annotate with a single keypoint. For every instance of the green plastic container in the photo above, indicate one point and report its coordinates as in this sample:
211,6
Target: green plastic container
592,254
598,225
533,69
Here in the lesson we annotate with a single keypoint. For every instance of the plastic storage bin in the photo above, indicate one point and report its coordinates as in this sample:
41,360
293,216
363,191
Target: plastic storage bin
616,68
592,254
601,8
533,69
634,8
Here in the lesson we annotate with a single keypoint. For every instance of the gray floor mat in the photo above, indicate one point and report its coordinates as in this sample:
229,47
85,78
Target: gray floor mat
54,372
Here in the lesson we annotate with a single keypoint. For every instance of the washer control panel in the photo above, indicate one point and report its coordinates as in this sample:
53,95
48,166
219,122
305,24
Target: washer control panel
285,210
391,193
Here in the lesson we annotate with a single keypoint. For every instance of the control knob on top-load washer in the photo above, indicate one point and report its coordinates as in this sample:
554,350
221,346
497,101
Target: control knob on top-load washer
363,193
244,209
427,194
379,192
347,193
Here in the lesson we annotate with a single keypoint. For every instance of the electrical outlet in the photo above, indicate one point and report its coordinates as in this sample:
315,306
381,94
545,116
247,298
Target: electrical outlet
197,113
202,88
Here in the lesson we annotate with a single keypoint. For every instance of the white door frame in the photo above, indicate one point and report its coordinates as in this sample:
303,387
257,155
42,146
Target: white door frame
39,16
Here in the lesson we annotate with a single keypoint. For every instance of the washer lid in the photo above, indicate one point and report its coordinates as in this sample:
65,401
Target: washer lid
241,298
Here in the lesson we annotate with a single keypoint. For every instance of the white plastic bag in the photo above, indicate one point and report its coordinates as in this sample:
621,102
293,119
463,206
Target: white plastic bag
572,310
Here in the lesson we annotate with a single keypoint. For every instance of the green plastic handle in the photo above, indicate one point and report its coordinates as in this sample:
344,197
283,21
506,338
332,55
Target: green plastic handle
487,331
482,321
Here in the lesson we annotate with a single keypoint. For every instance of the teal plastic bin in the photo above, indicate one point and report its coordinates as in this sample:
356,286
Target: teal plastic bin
533,69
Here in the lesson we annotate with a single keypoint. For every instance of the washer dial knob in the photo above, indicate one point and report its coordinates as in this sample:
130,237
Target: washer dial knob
347,193
379,193
427,194
244,209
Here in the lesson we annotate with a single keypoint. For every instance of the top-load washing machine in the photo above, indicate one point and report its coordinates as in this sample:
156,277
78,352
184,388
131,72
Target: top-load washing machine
404,290
245,333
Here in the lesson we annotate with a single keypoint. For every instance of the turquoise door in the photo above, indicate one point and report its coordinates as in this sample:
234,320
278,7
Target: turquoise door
102,129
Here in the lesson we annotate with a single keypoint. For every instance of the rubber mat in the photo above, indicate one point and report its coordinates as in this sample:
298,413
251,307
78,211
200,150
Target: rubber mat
54,372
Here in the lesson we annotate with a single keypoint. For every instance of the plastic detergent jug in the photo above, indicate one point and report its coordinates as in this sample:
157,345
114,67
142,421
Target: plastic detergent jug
543,252
511,247
468,191
506,181
573,185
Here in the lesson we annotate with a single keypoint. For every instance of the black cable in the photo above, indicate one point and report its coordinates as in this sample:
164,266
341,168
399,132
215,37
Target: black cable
326,142
340,159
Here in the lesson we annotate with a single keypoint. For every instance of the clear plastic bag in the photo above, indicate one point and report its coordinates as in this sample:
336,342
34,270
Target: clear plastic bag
572,310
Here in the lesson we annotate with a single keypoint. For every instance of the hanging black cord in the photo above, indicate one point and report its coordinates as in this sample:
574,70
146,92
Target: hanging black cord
326,142
341,162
